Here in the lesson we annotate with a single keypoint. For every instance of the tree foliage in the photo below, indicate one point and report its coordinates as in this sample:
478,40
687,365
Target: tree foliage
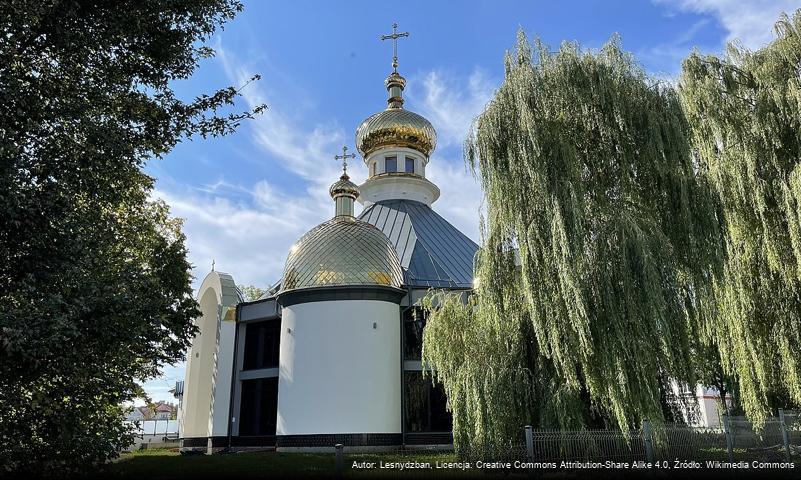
586,168
251,292
94,283
745,113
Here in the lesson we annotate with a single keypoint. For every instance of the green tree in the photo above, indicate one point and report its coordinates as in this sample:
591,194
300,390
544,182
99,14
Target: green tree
250,292
586,169
95,289
745,112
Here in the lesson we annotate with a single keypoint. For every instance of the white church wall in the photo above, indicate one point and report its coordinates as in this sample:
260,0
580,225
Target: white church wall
198,385
222,379
207,384
339,374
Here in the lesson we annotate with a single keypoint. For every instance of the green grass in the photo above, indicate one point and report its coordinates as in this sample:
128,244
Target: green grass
168,463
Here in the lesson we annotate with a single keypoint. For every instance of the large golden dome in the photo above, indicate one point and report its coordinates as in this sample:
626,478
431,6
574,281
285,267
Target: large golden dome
342,251
395,126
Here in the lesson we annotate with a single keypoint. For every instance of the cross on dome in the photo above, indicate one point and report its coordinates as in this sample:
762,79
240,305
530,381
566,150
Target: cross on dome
394,37
344,157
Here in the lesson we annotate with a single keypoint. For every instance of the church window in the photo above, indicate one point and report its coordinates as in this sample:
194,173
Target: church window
259,407
262,340
425,405
409,164
391,164
372,169
413,323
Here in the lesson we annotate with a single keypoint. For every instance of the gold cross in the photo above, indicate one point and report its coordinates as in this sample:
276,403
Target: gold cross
344,157
394,37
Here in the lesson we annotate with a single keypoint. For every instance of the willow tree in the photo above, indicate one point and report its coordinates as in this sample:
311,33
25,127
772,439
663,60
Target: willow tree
745,112
586,169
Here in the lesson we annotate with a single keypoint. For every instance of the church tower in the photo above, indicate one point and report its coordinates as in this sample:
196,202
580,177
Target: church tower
396,145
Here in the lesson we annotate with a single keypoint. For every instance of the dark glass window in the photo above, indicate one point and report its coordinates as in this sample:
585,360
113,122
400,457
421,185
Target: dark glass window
391,164
413,323
409,165
259,407
261,344
372,169
425,405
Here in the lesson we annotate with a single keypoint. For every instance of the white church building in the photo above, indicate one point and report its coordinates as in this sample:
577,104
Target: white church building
331,353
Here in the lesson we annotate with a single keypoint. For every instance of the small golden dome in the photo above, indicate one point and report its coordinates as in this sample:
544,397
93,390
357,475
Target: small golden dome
396,127
342,251
344,186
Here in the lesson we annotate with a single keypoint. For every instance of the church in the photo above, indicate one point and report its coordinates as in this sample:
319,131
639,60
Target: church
331,353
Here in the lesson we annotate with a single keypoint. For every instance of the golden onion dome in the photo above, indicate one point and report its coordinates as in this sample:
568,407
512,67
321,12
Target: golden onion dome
395,126
342,251
344,186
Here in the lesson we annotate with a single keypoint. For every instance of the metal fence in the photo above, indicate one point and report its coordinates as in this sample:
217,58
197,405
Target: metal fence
738,440
779,439
155,427
153,433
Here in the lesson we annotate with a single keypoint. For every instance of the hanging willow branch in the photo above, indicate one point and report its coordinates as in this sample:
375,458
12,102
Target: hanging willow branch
585,164
745,112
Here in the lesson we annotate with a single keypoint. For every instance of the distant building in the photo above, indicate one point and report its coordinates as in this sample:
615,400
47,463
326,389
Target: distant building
700,406
164,411
160,411
136,414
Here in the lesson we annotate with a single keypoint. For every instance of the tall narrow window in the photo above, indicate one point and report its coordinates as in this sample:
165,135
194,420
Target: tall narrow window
425,406
259,407
391,164
262,344
409,165
372,169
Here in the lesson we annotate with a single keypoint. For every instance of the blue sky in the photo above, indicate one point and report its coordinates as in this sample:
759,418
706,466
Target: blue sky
247,197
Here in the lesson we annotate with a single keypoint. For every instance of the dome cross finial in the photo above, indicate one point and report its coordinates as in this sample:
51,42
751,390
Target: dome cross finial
394,37
344,157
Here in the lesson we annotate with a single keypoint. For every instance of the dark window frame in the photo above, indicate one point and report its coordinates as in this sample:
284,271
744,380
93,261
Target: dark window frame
262,345
258,411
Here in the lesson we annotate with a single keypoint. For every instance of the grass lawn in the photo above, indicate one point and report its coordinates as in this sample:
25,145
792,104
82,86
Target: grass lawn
168,463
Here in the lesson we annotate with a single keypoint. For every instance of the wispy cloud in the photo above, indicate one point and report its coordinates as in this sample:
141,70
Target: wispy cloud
461,197
248,239
749,21
300,149
664,60
450,102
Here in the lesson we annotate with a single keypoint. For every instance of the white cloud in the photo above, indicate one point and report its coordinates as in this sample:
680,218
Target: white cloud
451,103
750,21
461,197
250,242
306,152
